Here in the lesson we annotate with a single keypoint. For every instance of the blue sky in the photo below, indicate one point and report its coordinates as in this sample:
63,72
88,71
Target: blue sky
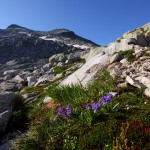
101,21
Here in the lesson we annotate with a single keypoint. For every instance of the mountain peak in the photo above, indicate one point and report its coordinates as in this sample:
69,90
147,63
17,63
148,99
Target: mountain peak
13,26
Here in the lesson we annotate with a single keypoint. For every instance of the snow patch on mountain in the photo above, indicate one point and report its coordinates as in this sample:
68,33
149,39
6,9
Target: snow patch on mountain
49,39
81,46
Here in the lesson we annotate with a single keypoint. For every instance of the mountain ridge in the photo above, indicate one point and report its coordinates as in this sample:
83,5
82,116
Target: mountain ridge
18,42
53,31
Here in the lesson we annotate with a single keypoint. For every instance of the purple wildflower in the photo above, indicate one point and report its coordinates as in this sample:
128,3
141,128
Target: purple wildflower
106,99
69,113
87,107
61,111
68,110
68,107
96,106
109,96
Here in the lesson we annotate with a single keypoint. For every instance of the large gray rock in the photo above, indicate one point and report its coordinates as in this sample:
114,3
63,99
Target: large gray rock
46,67
44,79
74,56
146,81
139,78
31,80
11,73
88,71
147,92
124,62
115,57
57,58
93,52
19,78
71,57
7,77
133,82
7,100
119,46
8,86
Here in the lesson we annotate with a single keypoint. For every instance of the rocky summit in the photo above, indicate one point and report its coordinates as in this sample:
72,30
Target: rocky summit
35,64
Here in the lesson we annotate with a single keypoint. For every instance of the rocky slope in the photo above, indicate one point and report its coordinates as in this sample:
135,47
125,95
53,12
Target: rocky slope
21,47
137,40
75,61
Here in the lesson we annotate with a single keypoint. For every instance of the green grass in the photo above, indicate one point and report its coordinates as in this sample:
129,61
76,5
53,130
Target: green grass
73,69
128,54
77,94
88,129
59,69
68,67
63,69
31,89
